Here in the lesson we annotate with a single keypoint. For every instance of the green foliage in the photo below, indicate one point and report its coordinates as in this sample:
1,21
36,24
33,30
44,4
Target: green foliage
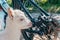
48,5
9,2
54,1
43,1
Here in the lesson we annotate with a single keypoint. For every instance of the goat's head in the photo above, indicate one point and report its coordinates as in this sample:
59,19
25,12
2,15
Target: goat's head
19,19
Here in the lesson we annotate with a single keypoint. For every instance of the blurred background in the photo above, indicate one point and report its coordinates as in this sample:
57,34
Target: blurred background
51,6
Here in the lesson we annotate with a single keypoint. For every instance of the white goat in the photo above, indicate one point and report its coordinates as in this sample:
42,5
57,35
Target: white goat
14,23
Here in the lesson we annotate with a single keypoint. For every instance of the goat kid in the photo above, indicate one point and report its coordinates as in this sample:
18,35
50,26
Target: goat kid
15,21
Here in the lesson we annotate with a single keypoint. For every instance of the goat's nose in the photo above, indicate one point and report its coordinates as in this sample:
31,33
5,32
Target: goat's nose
30,24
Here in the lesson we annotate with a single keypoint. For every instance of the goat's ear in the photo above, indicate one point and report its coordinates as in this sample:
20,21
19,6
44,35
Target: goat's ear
10,13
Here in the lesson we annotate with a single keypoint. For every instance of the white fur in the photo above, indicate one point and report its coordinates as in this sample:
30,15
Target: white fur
14,26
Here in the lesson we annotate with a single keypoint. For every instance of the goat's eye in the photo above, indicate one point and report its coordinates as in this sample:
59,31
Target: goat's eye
21,19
